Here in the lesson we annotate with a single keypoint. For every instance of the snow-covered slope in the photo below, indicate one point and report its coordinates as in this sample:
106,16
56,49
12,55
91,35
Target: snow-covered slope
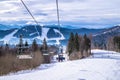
101,38
111,31
52,33
13,37
92,68
8,37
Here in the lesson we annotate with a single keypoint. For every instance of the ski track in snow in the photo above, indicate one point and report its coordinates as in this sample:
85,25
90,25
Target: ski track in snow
92,68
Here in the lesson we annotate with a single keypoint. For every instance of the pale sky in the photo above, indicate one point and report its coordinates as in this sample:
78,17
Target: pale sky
77,13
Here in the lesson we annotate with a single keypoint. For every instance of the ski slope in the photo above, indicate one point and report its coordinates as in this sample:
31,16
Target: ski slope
102,65
7,38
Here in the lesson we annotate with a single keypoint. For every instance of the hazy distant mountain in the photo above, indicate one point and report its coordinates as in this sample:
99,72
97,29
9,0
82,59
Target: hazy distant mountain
8,27
3,27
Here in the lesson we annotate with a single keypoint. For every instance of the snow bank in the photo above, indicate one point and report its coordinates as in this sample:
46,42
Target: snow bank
105,54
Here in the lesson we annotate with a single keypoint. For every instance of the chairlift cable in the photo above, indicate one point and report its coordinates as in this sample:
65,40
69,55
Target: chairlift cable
58,16
31,16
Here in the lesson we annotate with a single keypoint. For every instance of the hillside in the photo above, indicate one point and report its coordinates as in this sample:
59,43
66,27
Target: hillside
52,33
102,37
104,65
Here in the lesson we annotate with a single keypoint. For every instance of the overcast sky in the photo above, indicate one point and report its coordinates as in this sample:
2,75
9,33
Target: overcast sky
78,13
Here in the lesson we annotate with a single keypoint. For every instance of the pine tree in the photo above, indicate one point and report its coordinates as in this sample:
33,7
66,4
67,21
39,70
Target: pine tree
44,46
34,45
87,42
76,40
87,45
26,44
71,44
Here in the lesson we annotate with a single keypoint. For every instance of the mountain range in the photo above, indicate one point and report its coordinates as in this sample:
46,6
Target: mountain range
52,33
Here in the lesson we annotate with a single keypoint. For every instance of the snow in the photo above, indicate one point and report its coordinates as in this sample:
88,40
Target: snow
7,38
105,54
109,31
32,34
24,56
61,37
45,32
91,68
14,40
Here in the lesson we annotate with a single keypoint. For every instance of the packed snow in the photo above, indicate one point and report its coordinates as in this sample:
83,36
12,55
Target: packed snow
102,65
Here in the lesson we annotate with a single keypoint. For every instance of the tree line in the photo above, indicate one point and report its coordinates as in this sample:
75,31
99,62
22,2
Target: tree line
6,49
9,61
79,44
